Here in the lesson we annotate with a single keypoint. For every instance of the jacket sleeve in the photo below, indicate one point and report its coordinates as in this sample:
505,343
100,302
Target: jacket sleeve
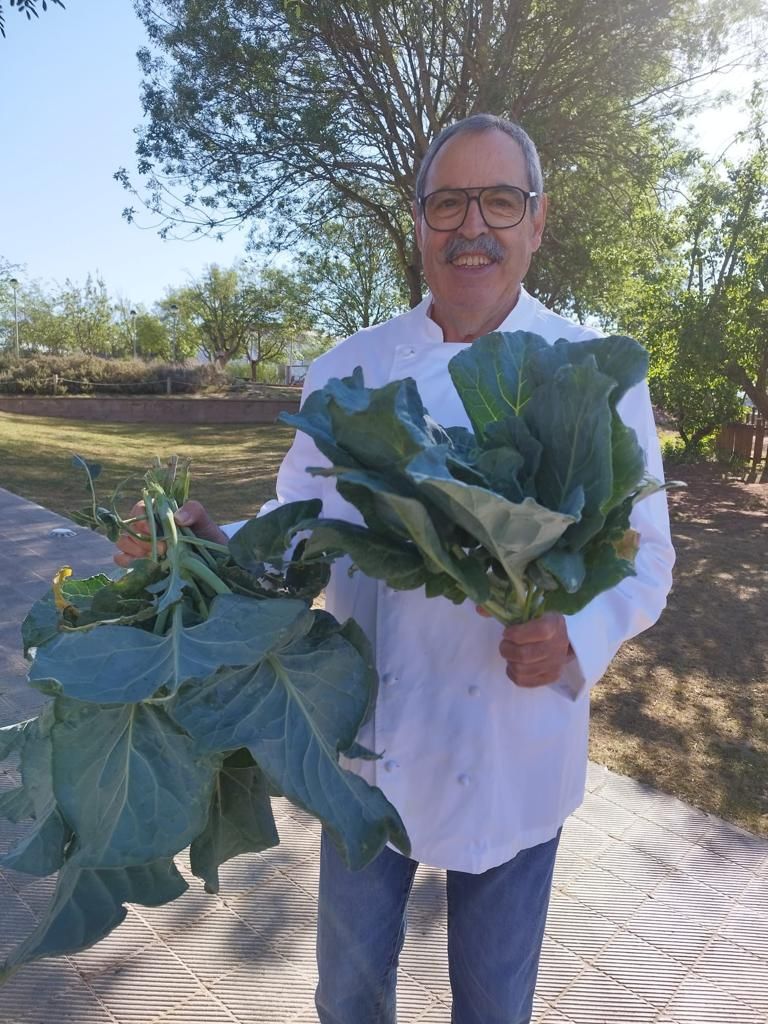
597,631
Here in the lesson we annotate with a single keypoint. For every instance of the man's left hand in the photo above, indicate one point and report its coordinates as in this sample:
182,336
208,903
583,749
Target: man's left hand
536,652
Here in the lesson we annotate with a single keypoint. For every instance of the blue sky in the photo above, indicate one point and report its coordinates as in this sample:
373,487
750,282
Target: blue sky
69,104
69,88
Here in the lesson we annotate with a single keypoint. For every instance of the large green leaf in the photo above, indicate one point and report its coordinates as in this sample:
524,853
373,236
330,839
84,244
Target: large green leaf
295,712
314,420
604,569
512,432
500,470
41,849
496,376
572,418
306,577
88,903
513,533
123,664
240,819
40,624
410,518
622,359
567,567
382,427
132,785
379,556
627,463
267,538
354,635
625,361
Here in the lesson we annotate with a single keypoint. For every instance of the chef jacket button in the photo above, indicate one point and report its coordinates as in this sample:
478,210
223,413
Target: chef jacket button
389,766
473,690
463,779
388,678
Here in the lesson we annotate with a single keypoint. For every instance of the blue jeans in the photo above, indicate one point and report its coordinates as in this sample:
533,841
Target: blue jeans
495,930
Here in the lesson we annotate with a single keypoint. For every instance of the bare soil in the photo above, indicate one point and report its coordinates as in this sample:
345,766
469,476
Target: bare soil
684,707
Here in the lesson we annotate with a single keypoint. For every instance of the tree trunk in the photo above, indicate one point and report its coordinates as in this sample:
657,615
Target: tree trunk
413,279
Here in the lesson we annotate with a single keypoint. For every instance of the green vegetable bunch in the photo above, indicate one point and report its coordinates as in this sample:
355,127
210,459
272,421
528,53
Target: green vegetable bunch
526,513
184,693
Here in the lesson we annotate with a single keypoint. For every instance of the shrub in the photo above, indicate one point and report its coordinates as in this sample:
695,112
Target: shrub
675,452
91,375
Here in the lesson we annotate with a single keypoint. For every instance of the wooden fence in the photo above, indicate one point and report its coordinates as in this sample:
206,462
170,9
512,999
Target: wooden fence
744,445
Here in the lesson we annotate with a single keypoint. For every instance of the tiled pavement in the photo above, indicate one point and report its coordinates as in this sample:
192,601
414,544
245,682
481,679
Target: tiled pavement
659,916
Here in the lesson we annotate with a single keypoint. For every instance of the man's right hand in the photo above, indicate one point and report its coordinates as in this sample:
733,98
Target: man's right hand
192,514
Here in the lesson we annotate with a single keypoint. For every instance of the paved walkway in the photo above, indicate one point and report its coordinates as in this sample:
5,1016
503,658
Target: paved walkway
659,916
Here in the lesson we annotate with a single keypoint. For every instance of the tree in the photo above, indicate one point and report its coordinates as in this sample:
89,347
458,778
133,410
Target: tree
307,112
150,331
86,316
28,7
241,313
351,273
704,310
43,328
728,271
283,317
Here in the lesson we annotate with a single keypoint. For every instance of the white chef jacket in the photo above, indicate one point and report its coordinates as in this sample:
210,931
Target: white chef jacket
477,767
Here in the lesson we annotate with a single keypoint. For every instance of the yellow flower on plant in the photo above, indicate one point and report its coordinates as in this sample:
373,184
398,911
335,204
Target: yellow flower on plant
58,581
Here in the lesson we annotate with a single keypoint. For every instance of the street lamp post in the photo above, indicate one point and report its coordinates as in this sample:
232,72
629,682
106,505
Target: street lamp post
175,310
15,285
133,331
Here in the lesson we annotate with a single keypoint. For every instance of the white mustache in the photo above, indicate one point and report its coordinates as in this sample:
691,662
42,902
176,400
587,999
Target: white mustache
484,245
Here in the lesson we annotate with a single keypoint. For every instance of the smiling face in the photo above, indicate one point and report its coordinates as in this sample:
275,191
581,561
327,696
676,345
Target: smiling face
475,272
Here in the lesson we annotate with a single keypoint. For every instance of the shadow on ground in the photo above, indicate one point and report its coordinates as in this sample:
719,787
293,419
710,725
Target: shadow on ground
685,706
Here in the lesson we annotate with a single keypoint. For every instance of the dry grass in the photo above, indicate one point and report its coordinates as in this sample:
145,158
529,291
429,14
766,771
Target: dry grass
234,467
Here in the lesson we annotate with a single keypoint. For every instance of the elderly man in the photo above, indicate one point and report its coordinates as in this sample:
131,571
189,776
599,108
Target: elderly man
483,729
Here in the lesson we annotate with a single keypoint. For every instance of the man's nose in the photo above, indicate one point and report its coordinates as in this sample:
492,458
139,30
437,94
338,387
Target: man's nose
474,224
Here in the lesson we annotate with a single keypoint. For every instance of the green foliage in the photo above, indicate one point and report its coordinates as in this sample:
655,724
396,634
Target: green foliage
702,309
28,7
351,275
527,514
243,313
309,113
89,375
86,313
84,319
185,693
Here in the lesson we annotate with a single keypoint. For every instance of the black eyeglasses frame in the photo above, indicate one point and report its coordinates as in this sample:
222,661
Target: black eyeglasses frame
526,194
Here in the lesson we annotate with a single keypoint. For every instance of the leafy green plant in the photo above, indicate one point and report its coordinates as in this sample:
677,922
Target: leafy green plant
185,692
527,513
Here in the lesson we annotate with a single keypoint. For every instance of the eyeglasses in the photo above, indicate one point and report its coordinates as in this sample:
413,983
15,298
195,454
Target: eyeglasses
501,206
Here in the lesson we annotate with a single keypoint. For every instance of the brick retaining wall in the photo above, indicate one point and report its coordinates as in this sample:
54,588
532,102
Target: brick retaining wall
155,409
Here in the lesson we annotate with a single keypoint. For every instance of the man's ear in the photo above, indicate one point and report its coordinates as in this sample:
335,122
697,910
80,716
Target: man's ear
538,220
417,222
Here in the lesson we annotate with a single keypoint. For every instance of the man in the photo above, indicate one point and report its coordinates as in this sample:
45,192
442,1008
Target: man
483,730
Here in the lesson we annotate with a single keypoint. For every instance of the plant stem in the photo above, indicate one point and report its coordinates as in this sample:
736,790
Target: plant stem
196,567
149,506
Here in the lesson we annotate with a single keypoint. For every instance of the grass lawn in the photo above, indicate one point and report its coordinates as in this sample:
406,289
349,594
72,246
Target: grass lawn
684,707
233,467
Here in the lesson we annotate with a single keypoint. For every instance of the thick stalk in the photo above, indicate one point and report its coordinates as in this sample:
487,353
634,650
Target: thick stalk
202,572
150,507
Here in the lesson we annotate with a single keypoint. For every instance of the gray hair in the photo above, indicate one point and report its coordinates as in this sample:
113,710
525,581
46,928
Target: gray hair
485,123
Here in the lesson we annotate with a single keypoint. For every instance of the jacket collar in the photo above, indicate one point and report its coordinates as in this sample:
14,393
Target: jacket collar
515,320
